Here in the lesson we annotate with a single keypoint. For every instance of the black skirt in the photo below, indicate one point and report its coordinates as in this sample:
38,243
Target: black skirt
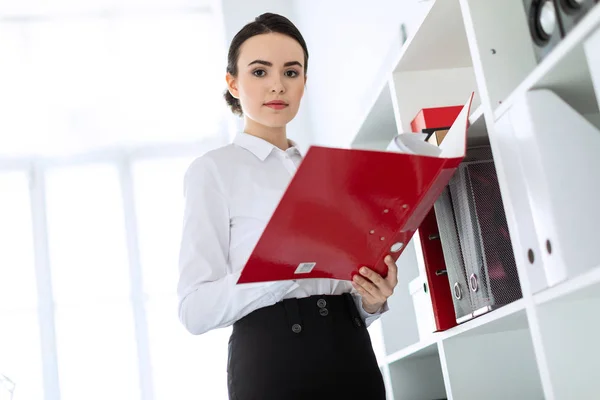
311,348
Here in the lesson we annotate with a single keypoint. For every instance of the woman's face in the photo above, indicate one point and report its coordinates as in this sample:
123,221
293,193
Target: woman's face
270,81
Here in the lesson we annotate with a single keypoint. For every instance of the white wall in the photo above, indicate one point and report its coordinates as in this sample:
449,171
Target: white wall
348,41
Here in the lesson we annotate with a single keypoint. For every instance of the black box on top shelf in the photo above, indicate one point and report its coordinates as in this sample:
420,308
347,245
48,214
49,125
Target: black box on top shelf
544,26
571,12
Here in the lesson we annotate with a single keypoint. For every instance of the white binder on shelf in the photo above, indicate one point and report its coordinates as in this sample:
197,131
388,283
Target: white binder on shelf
560,159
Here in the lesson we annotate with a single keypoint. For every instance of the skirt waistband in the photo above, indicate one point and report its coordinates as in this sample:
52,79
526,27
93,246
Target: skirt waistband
298,311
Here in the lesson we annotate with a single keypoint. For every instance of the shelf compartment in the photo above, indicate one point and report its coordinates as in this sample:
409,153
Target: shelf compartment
507,318
418,376
379,126
420,349
440,42
502,54
492,364
399,324
415,90
565,71
569,328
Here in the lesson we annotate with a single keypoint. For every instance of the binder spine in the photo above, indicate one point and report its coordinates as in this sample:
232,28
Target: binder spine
468,233
452,253
474,204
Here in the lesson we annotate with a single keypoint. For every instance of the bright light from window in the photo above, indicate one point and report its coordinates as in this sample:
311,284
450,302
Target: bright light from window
17,278
80,76
97,352
44,8
77,84
20,356
86,234
158,192
185,367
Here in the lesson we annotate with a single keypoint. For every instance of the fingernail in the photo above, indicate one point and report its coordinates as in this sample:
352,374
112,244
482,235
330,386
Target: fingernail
363,270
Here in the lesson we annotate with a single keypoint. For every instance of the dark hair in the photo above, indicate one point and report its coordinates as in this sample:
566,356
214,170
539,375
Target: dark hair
265,23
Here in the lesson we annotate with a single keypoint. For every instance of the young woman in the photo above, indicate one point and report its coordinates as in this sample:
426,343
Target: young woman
303,339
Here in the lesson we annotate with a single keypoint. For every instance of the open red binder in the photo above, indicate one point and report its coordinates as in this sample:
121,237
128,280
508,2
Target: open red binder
348,208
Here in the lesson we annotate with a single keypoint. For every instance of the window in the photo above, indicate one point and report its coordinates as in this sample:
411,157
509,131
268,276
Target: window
17,286
184,366
86,235
20,355
97,358
158,194
142,75
90,276
114,79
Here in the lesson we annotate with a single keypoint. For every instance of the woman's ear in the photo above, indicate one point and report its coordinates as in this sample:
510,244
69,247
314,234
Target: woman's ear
232,85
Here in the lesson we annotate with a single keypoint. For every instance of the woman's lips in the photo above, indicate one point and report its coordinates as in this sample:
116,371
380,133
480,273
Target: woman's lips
276,105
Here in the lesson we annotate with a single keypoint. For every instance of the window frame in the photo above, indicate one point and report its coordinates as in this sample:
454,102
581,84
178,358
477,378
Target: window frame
123,158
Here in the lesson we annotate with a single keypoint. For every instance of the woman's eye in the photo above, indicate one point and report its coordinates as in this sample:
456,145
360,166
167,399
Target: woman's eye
259,72
291,74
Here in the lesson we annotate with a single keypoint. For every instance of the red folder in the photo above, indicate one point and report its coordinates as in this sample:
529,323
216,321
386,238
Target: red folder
348,208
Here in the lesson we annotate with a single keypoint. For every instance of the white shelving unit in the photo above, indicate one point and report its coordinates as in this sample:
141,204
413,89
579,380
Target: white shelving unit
544,345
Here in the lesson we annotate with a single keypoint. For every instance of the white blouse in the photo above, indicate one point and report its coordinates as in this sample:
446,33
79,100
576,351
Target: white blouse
230,193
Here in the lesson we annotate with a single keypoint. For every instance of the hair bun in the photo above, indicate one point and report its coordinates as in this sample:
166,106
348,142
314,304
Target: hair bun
233,103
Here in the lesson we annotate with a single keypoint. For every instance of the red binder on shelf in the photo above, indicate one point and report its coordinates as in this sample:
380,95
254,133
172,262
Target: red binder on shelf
348,208
435,269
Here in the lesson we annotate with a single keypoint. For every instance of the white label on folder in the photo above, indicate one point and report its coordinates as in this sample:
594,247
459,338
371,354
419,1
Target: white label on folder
305,268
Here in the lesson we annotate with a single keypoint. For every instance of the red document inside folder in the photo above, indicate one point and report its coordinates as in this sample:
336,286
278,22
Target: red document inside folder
347,208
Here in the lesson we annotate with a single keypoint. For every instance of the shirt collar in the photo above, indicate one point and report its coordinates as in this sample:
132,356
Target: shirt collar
258,146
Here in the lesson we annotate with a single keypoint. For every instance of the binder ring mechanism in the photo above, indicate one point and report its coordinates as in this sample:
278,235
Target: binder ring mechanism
457,291
473,282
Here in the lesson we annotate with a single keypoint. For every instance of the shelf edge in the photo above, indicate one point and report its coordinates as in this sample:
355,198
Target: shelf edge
570,286
412,349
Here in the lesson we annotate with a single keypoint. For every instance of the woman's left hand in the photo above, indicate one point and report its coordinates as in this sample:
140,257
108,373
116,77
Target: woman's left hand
375,289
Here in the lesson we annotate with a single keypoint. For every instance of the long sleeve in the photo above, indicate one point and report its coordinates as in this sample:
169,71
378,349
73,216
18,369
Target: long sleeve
367,317
208,295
